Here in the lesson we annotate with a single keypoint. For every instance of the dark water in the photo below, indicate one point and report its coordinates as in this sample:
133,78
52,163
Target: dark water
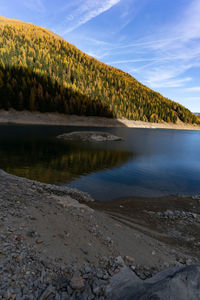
147,163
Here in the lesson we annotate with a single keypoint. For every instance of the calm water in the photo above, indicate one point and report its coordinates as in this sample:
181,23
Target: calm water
147,163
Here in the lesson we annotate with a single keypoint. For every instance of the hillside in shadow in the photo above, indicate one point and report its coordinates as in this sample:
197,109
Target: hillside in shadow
24,89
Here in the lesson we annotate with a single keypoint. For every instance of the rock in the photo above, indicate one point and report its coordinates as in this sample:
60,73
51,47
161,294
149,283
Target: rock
197,197
47,292
43,273
72,203
90,136
87,269
84,251
194,215
19,238
130,259
32,234
108,240
69,290
77,283
64,296
38,241
105,276
169,213
188,262
174,284
99,274
119,261
119,282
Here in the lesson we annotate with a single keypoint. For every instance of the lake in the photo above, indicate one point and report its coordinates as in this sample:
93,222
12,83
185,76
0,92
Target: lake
147,163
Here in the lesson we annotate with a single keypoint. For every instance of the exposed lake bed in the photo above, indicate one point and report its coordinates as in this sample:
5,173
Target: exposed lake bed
46,235
25,117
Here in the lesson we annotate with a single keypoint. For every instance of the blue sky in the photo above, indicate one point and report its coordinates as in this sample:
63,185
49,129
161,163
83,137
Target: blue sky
156,41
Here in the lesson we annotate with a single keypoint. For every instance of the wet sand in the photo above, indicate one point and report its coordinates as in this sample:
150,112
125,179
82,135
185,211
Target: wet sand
173,220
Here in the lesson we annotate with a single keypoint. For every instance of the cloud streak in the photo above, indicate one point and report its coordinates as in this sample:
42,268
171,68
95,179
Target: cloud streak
162,62
86,12
193,89
176,54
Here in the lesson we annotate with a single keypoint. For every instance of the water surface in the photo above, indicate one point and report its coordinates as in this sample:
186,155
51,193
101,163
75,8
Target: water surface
148,163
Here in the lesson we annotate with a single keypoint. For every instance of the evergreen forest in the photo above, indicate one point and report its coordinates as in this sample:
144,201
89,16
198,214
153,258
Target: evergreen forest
39,71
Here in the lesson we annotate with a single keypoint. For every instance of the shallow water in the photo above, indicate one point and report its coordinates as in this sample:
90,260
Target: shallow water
148,163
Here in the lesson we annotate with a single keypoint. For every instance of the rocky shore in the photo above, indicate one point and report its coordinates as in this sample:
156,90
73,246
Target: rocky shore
54,244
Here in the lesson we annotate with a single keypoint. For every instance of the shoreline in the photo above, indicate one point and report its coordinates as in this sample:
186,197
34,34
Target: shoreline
37,118
173,220
56,240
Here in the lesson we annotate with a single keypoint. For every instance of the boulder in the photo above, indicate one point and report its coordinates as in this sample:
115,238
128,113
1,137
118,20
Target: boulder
174,284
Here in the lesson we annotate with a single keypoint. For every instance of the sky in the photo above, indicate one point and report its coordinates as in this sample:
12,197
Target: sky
156,41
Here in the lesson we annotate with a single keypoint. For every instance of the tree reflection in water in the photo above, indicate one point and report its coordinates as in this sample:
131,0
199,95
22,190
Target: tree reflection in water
55,162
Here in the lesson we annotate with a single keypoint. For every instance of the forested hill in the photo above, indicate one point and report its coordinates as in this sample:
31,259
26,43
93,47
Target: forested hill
41,71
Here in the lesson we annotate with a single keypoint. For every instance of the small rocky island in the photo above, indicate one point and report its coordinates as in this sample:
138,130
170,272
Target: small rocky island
89,136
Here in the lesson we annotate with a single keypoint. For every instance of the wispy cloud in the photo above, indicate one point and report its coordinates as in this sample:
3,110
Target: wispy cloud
176,54
36,5
156,59
86,12
168,83
159,62
194,98
193,89
162,62
189,27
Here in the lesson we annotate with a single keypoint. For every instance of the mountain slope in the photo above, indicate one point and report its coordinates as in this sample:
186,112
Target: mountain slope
41,71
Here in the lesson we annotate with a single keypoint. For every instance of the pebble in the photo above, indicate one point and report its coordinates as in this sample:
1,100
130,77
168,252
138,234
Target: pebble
77,283
119,261
39,241
129,259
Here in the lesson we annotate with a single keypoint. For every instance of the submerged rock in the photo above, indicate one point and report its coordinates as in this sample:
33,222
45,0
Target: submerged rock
89,136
